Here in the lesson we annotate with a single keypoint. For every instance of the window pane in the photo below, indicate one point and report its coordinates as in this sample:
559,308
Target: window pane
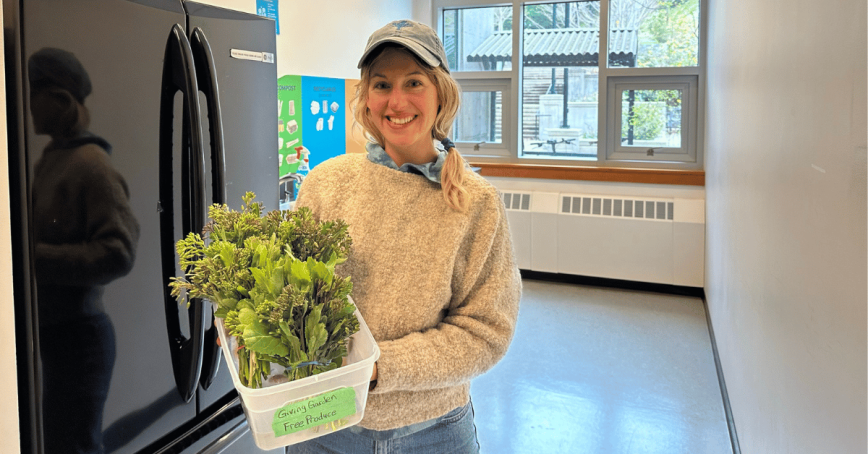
560,88
478,39
479,119
651,118
653,33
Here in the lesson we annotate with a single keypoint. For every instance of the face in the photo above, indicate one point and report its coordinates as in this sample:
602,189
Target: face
48,108
402,103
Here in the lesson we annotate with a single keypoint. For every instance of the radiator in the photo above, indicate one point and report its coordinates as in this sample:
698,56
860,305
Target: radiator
643,239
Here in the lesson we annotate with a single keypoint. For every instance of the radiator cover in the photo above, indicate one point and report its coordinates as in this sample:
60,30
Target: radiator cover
644,239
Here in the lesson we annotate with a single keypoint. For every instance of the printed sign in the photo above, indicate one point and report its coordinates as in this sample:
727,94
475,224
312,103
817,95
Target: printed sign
268,8
316,411
314,124
289,124
325,130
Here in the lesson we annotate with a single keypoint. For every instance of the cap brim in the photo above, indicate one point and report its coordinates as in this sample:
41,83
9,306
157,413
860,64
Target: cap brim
411,45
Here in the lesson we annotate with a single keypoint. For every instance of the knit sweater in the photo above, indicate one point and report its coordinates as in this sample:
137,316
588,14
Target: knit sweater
438,289
83,226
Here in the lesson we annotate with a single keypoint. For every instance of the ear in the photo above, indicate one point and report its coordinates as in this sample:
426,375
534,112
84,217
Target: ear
66,114
62,97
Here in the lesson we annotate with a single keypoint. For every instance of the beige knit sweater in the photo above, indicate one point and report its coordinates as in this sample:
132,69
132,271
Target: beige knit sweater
439,289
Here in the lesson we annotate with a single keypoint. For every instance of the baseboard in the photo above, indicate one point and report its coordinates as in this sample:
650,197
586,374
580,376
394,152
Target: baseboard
727,408
613,283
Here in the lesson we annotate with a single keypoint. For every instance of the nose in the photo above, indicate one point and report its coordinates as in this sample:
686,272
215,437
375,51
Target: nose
397,100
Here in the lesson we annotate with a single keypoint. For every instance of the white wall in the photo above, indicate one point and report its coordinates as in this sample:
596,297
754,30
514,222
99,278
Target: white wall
422,11
326,38
786,220
9,441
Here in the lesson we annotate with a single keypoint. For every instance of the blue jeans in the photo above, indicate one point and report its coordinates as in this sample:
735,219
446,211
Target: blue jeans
452,433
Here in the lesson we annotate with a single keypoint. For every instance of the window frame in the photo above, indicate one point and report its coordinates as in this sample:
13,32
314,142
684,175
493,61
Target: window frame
490,150
510,154
616,151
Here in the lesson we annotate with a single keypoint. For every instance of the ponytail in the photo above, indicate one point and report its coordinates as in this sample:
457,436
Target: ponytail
452,179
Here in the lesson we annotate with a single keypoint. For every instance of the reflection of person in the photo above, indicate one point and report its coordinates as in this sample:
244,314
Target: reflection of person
85,237
433,268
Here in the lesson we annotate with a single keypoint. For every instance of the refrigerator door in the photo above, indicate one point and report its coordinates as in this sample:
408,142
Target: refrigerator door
243,50
229,434
105,371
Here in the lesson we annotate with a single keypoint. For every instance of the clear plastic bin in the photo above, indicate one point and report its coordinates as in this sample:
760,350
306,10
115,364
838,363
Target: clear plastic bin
292,412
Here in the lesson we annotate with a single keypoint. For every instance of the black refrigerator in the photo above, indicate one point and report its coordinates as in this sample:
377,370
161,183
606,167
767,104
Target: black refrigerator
126,120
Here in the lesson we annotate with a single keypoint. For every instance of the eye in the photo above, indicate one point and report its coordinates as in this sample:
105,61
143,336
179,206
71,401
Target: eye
415,83
380,85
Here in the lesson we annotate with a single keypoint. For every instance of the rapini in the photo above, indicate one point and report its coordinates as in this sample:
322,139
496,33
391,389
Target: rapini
272,280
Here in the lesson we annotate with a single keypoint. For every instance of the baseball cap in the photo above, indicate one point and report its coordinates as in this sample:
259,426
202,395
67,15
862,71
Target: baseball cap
418,38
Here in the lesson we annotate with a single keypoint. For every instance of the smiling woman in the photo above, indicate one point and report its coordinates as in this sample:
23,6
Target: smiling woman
418,55
433,270
402,104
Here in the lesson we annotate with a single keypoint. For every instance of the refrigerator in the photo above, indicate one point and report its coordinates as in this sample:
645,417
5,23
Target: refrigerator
126,120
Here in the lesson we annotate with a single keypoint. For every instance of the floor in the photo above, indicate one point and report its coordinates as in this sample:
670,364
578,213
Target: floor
603,370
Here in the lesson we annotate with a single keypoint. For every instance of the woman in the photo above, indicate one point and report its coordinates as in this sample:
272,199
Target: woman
432,265
86,237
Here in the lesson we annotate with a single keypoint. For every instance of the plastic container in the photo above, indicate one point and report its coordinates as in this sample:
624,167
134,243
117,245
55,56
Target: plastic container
292,412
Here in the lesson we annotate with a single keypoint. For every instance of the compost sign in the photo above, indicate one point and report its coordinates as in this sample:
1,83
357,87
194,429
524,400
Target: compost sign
315,411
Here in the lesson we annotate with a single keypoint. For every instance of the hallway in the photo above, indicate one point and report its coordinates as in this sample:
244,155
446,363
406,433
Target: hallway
596,370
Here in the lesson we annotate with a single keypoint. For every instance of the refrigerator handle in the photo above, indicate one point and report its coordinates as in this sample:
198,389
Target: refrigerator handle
179,75
206,74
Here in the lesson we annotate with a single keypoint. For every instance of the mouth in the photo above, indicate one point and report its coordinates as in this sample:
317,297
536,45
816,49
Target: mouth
401,121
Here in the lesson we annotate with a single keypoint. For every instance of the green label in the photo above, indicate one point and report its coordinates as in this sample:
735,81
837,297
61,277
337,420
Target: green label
318,410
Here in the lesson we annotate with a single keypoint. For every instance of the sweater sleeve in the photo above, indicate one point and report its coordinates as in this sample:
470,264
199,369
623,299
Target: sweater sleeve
480,321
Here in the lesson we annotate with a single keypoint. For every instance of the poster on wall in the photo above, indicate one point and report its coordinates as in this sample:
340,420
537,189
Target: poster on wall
323,113
268,8
313,126
289,123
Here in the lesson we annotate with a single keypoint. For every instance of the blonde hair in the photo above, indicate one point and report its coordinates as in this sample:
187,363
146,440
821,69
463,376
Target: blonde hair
449,97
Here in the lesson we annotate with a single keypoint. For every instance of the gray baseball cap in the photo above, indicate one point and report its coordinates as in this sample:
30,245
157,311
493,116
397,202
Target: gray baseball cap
419,38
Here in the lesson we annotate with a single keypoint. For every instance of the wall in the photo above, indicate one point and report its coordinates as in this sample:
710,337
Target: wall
326,38
786,220
9,441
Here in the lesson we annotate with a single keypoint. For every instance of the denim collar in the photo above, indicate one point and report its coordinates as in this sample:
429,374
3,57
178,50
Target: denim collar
429,170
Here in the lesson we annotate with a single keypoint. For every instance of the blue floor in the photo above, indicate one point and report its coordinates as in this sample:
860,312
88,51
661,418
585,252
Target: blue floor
601,370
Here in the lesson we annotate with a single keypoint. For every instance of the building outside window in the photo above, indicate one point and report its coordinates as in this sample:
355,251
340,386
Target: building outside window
560,102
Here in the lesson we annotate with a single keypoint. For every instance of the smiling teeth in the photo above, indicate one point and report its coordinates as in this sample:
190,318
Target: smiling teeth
401,121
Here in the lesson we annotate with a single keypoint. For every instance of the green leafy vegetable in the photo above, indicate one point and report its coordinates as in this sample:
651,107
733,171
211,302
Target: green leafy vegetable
272,279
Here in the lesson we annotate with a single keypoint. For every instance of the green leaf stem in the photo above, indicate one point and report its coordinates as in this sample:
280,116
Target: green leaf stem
272,278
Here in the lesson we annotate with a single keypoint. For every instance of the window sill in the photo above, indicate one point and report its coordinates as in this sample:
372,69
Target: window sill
613,174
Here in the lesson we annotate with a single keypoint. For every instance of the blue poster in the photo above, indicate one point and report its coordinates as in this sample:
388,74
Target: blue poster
323,116
268,8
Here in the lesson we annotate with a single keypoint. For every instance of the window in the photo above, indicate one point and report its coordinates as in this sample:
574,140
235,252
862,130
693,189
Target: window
481,118
552,96
652,121
483,125
464,30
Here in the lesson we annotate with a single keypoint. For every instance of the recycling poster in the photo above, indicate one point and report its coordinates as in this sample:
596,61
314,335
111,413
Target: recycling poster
313,122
